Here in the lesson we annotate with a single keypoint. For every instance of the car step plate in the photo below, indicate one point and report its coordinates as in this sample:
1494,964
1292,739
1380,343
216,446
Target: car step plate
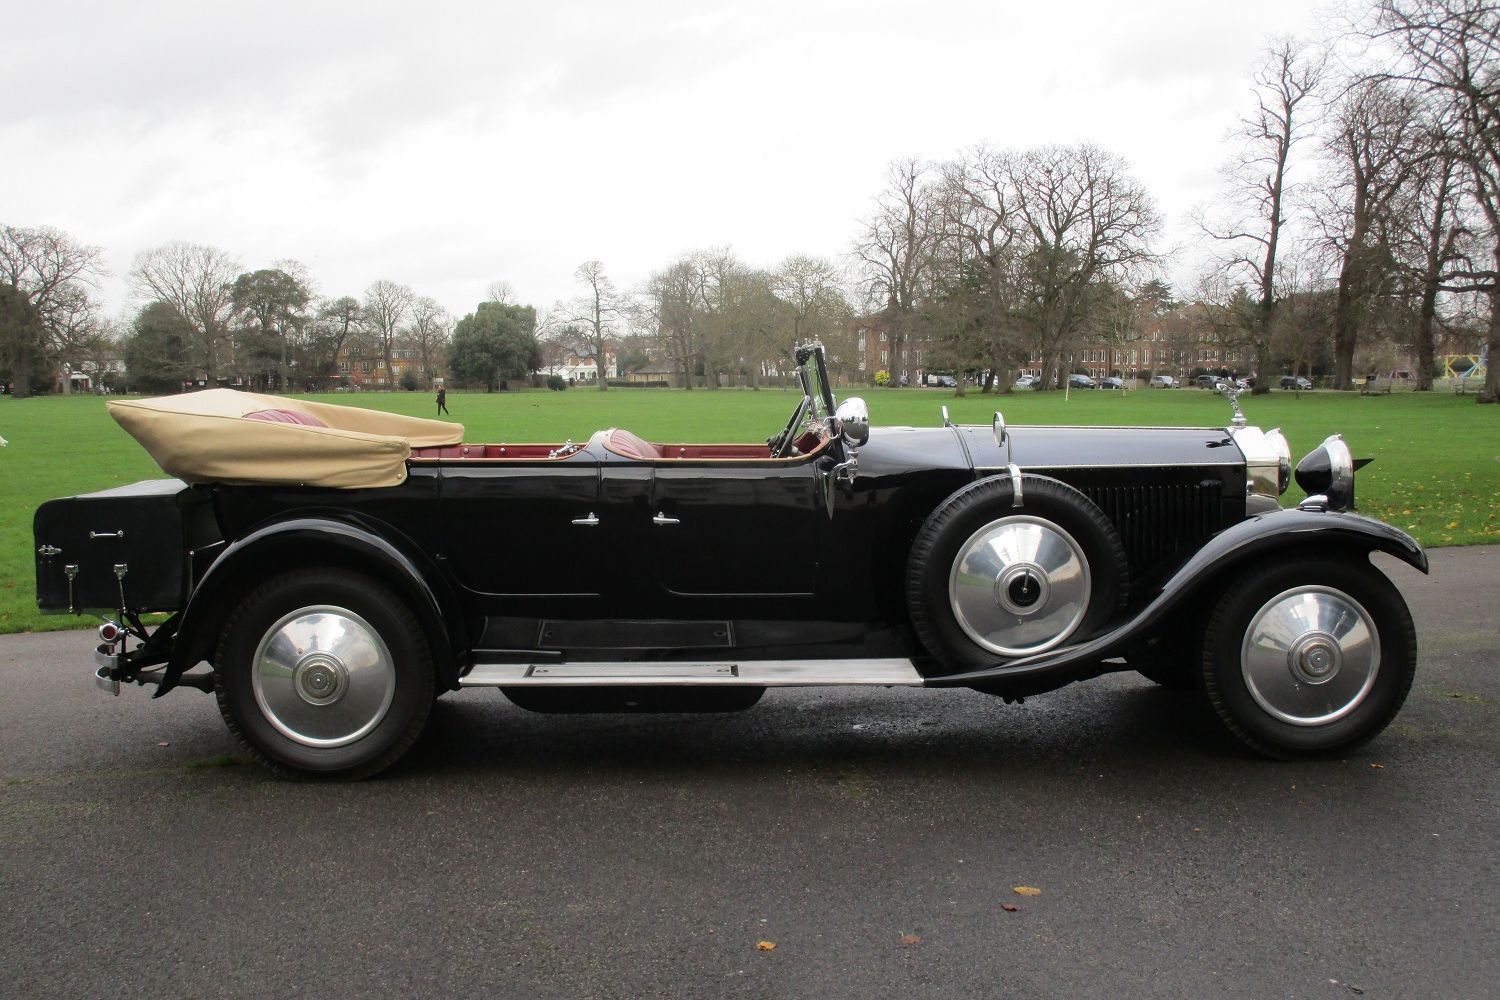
756,673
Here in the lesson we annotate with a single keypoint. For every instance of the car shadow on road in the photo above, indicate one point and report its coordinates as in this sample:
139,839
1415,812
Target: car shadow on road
1125,721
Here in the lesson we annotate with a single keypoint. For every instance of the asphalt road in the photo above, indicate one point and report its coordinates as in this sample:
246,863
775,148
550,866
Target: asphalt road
873,836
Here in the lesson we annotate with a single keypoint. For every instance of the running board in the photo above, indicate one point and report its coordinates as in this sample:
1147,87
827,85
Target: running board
751,673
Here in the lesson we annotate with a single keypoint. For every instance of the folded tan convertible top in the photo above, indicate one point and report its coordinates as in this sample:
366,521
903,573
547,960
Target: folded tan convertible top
224,436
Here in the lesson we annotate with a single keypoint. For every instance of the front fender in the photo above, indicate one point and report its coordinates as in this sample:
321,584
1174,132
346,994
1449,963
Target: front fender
305,541
1253,537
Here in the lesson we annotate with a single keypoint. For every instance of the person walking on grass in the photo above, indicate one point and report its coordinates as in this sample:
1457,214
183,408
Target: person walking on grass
442,400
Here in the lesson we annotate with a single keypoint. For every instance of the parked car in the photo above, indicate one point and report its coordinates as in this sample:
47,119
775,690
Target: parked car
1162,382
1026,382
1248,382
1110,382
328,570
1207,381
1080,382
942,381
1295,382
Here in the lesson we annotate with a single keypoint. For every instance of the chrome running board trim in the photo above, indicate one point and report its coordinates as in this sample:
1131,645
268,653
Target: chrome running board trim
751,673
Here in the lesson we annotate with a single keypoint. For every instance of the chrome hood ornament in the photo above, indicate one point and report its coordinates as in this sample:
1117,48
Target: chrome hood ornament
1231,392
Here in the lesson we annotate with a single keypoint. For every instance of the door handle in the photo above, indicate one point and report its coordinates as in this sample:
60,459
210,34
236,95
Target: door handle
589,522
661,518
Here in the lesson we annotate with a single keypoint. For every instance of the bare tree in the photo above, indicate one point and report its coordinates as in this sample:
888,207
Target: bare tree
427,333
1085,220
1451,49
336,320
1375,144
671,306
598,313
500,291
982,254
384,310
197,281
1435,244
812,291
1285,86
895,251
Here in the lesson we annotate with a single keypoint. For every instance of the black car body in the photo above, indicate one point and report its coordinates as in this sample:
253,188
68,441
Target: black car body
621,575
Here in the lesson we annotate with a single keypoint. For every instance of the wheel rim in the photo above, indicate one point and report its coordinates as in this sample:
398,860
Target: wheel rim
323,676
1019,585
1310,655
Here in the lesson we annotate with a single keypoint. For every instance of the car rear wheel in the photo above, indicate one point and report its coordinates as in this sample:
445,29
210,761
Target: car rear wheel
1309,657
988,580
324,673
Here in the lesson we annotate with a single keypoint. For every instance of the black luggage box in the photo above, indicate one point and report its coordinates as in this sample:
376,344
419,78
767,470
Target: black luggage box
148,528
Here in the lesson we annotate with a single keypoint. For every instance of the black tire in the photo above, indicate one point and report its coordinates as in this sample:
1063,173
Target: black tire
1357,701
987,503
382,709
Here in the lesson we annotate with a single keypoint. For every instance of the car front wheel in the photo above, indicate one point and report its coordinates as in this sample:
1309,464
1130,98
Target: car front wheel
324,673
1309,657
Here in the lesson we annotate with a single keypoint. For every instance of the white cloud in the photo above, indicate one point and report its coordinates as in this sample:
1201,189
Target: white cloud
447,145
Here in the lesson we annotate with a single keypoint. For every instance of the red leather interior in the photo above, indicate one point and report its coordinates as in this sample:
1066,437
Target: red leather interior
286,417
529,451
624,444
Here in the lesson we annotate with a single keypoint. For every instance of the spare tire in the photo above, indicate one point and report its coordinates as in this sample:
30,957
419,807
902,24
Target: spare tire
989,581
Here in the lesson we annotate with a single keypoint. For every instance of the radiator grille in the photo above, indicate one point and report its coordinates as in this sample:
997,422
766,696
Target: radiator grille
1160,520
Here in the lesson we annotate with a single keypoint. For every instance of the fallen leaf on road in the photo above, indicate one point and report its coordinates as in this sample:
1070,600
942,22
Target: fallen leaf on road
765,946
1009,907
909,939
1027,890
163,744
1378,766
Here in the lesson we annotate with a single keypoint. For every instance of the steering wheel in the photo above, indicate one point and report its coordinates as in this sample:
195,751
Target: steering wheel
782,444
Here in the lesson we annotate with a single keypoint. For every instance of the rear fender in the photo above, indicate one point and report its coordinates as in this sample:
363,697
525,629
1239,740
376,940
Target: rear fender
318,541
1298,531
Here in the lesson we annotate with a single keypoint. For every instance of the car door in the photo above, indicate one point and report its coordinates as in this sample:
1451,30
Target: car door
522,530
735,528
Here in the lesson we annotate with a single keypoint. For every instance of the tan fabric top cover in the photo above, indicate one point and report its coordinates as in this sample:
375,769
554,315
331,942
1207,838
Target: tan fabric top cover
202,437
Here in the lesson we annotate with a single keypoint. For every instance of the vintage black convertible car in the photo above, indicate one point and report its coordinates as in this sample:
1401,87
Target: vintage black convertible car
336,578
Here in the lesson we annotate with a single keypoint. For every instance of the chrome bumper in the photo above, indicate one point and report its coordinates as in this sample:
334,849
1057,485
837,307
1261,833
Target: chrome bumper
108,663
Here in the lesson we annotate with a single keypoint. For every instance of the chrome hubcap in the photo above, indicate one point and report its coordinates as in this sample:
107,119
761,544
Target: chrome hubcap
1019,585
323,677
1310,655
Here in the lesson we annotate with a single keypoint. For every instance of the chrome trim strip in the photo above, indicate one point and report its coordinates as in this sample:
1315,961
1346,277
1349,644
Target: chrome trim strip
753,673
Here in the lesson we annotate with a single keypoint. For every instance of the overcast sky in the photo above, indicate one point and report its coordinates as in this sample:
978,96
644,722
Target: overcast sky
449,145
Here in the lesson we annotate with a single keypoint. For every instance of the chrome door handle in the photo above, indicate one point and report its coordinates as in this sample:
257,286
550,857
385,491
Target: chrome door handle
107,534
661,518
589,522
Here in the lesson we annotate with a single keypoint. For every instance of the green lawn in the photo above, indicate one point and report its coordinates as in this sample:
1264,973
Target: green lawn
1436,474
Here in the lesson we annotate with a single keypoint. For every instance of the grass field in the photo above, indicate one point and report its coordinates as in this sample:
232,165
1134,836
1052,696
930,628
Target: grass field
1436,474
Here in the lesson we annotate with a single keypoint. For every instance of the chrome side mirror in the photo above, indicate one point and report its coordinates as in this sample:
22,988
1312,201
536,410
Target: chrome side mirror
853,421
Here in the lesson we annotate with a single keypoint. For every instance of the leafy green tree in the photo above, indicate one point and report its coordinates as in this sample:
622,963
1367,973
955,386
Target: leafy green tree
495,342
157,349
274,302
409,379
22,337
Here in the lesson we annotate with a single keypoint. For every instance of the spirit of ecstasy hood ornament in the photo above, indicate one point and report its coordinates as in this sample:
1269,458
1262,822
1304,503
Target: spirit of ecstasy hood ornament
1231,392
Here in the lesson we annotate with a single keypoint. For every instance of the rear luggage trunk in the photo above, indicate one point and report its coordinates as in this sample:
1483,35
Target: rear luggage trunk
128,547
